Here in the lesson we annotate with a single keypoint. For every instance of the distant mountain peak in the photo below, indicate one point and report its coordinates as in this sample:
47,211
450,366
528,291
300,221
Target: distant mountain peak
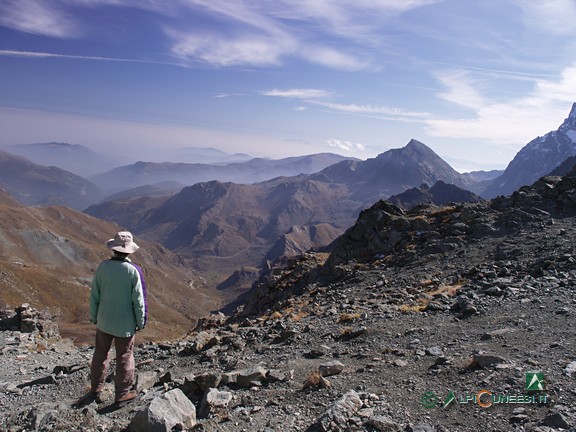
414,143
419,148
573,111
570,122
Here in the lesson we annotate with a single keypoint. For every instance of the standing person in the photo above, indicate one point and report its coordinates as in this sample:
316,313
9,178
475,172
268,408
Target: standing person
118,308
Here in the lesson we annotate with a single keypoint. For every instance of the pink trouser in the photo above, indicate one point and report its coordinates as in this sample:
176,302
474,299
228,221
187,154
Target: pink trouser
124,377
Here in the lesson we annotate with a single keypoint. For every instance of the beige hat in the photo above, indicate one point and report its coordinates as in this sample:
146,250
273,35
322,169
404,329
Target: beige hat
122,242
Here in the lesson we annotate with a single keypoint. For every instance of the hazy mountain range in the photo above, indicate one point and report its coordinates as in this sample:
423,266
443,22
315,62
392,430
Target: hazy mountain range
251,171
34,184
75,158
83,161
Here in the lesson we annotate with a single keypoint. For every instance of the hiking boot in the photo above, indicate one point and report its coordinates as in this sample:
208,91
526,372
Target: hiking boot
128,397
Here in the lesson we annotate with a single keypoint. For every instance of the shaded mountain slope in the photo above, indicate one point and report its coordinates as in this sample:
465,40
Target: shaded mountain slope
157,189
441,244
34,184
226,219
299,239
565,167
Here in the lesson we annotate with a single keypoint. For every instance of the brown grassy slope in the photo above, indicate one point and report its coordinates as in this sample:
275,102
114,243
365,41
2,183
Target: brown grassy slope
48,256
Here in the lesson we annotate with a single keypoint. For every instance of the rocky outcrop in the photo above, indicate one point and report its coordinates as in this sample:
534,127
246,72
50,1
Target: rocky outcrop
26,319
439,194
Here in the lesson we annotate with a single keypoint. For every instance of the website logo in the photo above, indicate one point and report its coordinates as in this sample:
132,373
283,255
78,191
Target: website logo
534,394
534,381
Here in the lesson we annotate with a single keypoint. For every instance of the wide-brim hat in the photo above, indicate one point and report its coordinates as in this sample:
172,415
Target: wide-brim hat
123,242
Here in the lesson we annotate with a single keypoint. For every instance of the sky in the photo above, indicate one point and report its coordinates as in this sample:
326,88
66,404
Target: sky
475,80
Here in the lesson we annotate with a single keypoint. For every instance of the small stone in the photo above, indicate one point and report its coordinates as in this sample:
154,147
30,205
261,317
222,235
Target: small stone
146,380
208,380
214,401
275,375
486,361
250,377
556,420
331,368
434,351
164,413
315,353
337,416
518,418
384,424
422,427
570,368
494,291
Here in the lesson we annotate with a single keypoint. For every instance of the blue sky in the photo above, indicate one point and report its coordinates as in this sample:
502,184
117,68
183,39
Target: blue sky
475,80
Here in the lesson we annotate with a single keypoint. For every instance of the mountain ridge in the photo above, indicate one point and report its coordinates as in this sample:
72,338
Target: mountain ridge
536,159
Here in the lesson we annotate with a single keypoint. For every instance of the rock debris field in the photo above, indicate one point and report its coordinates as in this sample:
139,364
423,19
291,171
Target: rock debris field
460,318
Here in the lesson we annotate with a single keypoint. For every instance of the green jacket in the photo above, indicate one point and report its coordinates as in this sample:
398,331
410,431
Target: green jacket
117,304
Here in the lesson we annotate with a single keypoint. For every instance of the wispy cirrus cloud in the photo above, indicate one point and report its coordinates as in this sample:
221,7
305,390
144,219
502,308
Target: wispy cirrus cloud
298,93
227,95
317,97
552,16
511,122
461,89
333,59
217,50
336,34
265,33
59,18
31,54
33,16
372,110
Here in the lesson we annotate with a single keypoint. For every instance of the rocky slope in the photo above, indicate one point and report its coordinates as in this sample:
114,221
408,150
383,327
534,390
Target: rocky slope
48,256
455,318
